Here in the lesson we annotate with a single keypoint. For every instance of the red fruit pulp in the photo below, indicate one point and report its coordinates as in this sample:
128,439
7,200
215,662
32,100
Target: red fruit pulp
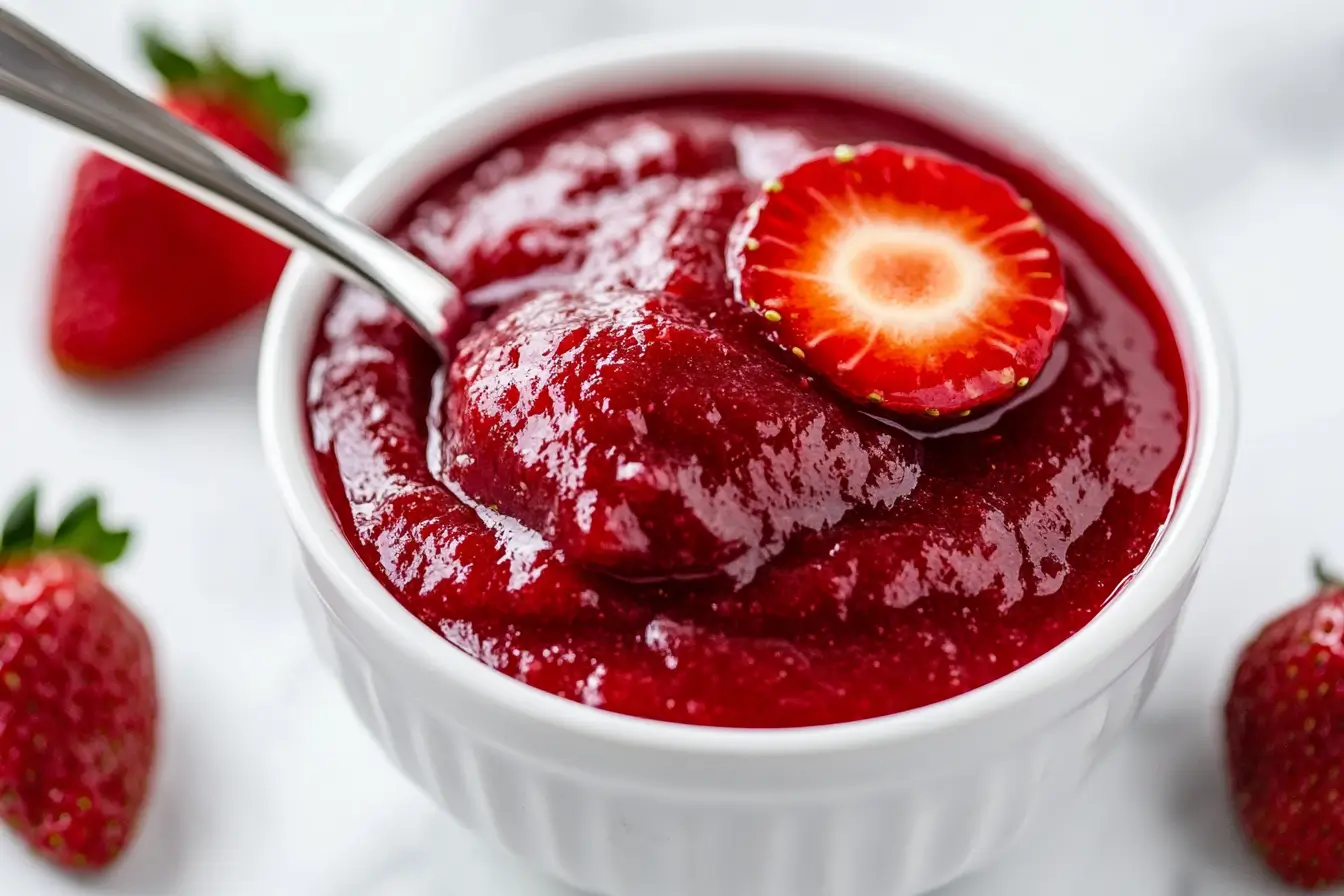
622,493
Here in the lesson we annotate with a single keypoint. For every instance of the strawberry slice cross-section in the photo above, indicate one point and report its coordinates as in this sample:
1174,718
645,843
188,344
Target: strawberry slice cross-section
910,281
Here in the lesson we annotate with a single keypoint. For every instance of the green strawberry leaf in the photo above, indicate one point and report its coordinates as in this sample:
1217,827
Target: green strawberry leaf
275,104
282,103
173,66
1324,577
20,529
81,531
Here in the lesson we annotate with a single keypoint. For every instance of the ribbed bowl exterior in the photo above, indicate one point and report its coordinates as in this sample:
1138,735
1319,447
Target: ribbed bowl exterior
619,840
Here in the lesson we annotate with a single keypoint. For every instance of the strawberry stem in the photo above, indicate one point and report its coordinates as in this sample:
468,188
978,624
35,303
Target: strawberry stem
80,531
1324,577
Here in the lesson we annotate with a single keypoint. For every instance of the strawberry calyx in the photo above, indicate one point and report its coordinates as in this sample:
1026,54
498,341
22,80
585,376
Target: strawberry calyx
912,282
264,97
1323,575
80,532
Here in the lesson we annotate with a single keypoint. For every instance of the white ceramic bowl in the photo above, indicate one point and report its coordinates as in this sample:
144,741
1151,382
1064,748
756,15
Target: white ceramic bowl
632,807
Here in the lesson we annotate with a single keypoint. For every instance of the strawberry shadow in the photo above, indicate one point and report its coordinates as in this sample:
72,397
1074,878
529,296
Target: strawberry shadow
154,863
1154,817
158,860
1196,799
218,369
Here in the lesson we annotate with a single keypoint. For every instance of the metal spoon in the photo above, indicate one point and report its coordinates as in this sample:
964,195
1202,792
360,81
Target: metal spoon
39,73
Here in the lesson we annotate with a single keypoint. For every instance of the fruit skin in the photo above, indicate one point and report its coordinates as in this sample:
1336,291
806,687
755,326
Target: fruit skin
141,269
913,282
78,698
1285,741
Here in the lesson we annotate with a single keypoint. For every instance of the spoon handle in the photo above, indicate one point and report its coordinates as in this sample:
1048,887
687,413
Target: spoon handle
39,73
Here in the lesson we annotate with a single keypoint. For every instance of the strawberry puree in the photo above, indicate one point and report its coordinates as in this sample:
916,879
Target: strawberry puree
621,492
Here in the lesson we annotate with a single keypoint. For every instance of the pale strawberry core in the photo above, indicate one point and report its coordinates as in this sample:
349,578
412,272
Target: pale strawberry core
921,277
905,275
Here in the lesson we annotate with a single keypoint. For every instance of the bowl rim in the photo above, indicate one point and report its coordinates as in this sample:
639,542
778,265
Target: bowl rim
651,66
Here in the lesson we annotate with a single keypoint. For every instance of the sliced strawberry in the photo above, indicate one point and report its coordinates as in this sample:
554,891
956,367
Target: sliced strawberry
907,279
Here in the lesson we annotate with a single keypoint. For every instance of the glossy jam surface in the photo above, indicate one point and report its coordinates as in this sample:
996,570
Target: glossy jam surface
621,493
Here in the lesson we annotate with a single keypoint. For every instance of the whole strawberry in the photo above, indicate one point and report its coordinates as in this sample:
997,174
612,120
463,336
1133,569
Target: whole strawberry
142,269
1285,740
78,705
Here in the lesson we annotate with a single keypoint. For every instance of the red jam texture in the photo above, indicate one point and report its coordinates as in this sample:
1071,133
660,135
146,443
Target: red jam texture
620,492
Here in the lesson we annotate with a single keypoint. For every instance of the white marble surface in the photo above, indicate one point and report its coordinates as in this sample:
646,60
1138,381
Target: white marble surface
1227,115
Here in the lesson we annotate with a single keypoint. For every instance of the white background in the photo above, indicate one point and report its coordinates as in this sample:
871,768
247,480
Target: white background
1226,115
